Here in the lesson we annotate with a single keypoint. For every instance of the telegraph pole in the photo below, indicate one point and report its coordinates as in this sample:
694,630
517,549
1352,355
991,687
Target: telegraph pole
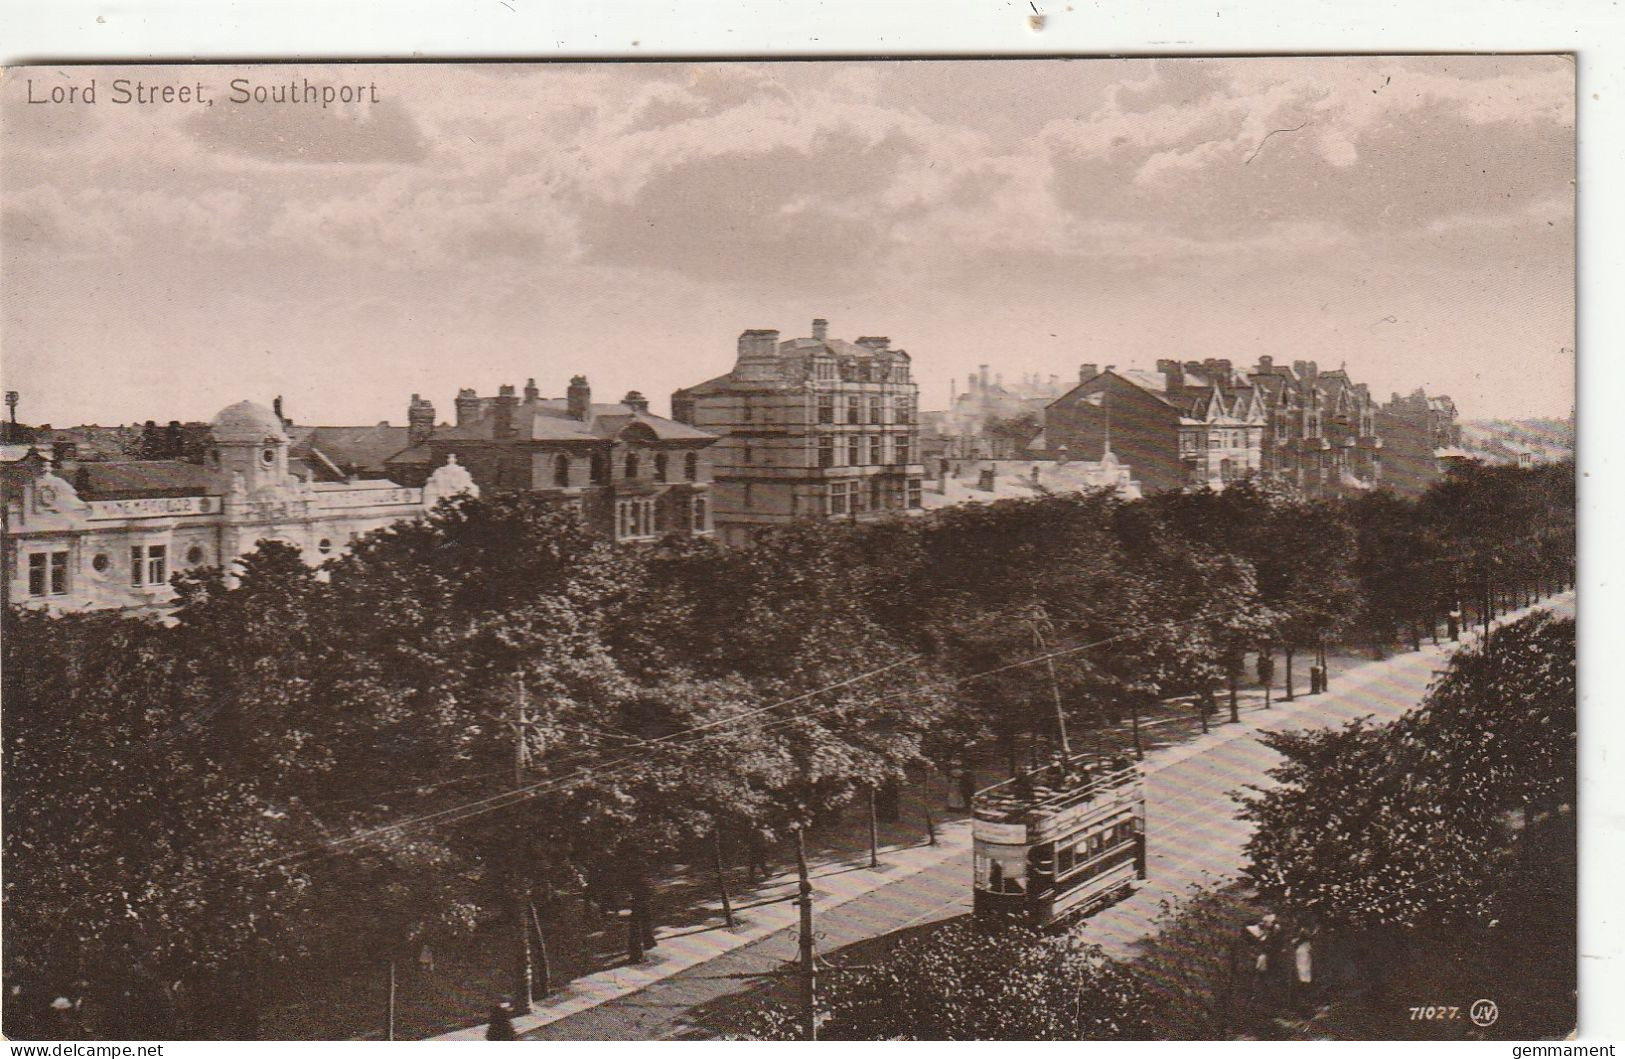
809,967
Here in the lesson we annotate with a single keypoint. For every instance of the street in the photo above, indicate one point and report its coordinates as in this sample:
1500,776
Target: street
1193,834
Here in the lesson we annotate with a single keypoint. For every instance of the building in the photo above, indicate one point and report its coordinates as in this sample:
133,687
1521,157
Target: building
1197,423
989,420
1322,435
1420,436
110,534
627,473
813,427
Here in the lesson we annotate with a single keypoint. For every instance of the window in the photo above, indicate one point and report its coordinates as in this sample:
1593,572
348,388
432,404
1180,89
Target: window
101,563
826,408
900,446
854,409
1066,859
826,451
914,496
149,565
634,518
699,514
194,554
854,451
631,465
841,496
561,471
876,494
905,407
875,405
745,454
691,466
874,449
599,469
660,466
1214,441
48,574
268,456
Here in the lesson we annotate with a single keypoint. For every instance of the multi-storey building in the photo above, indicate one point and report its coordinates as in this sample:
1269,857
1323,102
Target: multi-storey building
811,427
627,473
1198,423
1419,437
1322,435
110,534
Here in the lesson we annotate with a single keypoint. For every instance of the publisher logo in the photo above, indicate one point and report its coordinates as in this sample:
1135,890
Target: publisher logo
1484,1013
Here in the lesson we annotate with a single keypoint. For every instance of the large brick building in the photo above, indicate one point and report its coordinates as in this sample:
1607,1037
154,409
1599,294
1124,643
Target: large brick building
1205,422
627,473
1420,437
811,427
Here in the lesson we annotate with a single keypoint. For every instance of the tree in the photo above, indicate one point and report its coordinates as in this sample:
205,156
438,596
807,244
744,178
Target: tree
962,982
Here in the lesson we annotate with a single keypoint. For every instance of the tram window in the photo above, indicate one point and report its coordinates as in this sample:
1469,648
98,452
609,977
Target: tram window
1066,859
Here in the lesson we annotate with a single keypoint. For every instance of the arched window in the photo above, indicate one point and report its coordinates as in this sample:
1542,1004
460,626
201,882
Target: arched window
561,471
600,468
691,466
660,466
631,465
699,514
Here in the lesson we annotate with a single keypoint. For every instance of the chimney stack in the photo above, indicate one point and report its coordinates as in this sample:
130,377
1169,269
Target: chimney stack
468,406
982,377
276,408
820,330
502,422
635,401
531,392
1172,374
579,398
1266,364
1087,371
419,421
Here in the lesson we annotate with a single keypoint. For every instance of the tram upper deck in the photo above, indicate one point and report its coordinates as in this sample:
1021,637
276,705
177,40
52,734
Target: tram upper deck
1058,797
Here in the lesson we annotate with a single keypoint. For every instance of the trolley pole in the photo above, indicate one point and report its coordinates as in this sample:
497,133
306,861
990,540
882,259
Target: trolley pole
390,1025
1055,688
809,969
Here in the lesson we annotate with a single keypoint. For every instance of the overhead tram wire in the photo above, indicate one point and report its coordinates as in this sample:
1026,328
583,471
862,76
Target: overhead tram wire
614,769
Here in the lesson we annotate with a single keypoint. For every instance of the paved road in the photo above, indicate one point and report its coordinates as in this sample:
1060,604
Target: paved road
1193,833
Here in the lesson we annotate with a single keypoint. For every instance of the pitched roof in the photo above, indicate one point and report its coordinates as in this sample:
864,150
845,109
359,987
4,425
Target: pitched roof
353,449
549,419
140,478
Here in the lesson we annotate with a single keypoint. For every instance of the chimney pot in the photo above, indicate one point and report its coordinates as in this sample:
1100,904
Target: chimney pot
635,401
531,392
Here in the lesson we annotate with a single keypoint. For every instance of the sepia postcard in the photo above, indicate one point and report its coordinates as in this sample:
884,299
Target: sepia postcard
934,549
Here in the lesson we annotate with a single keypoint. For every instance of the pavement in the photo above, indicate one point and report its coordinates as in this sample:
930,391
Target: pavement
1194,837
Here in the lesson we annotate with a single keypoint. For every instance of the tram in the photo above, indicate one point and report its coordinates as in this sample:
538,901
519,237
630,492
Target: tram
1058,843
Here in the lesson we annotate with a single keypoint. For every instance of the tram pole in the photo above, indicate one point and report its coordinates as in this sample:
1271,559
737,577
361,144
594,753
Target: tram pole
874,831
809,969
722,876
523,997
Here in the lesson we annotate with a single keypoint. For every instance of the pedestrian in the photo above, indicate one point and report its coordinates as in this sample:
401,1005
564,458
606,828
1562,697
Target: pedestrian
426,959
501,1024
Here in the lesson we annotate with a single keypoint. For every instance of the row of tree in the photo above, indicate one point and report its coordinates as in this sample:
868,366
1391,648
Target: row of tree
462,712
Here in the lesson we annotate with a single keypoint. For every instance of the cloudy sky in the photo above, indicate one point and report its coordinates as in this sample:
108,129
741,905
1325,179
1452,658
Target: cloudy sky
484,224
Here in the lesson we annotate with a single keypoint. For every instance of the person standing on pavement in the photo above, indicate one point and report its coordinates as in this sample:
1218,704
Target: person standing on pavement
501,1025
